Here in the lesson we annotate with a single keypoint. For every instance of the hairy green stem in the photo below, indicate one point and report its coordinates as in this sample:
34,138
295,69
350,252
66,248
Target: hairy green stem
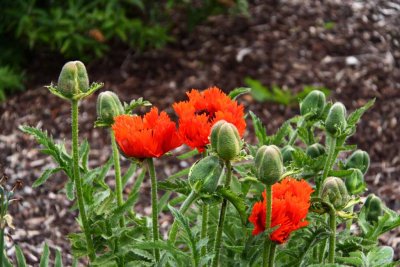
78,181
185,206
221,220
154,205
118,181
204,227
272,254
267,241
331,142
332,237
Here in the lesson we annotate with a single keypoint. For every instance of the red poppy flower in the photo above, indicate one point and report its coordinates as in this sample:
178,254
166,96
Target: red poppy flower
290,203
152,135
202,111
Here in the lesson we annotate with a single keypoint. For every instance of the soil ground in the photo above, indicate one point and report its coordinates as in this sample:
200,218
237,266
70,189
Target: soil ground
351,47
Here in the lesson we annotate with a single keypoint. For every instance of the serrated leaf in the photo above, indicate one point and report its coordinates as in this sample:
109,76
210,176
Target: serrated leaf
355,116
236,200
128,204
58,259
283,131
259,129
69,190
44,259
45,175
20,256
84,154
235,93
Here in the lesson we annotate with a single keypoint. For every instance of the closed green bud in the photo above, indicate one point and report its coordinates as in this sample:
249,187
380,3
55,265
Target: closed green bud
313,103
373,208
287,153
73,79
108,106
225,140
355,183
336,120
269,164
315,150
358,160
334,191
204,175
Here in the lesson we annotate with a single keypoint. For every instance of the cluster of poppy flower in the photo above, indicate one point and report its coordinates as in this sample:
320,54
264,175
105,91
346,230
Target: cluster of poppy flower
154,134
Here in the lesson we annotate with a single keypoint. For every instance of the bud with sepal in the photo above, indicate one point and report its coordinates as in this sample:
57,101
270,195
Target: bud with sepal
269,164
315,150
334,191
355,183
225,140
204,175
335,122
108,106
313,104
358,160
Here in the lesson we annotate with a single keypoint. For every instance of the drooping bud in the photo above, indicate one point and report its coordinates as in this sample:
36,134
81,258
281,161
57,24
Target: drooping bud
204,175
313,103
315,150
225,140
108,106
334,191
355,183
287,153
336,120
73,79
269,164
372,208
358,160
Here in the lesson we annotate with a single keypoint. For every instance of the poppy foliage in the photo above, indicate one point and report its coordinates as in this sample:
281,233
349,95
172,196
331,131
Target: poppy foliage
152,135
290,204
203,109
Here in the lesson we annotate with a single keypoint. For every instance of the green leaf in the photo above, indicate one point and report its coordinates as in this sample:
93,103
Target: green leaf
178,174
261,132
162,245
58,260
128,204
45,175
283,131
44,259
84,154
129,173
236,200
355,116
380,256
20,256
189,154
235,93
69,190
162,202
6,262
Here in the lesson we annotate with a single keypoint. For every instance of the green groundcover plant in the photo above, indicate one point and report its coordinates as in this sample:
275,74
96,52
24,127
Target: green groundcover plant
286,200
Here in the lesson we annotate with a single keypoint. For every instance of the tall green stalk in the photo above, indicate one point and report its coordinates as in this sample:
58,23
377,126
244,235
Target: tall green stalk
78,180
331,142
204,227
220,228
332,237
272,254
118,181
267,241
154,205
185,206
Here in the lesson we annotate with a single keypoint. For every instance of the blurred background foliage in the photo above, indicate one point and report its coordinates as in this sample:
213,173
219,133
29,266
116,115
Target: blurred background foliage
85,30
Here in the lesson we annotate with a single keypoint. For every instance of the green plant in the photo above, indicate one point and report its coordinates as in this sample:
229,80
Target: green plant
10,81
278,95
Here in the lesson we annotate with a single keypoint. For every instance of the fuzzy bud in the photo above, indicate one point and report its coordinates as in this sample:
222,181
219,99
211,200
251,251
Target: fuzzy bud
358,160
269,164
204,175
313,103
336,120
315,150
73,79
108,106
225,140
355,183
287,153
372,208
334,191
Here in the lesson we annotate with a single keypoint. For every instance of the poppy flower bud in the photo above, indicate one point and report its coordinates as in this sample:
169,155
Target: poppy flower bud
334,191
73,79
315,150
225,140
108,106
372,208
287,153
336,120
204,175
269,164
355,183
313,103
358,160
